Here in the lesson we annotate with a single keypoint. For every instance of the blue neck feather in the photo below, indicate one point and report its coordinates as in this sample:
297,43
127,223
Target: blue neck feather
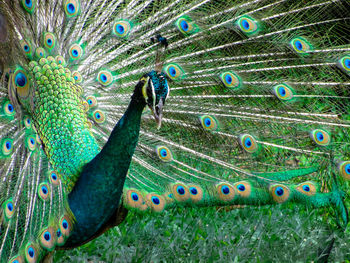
96,195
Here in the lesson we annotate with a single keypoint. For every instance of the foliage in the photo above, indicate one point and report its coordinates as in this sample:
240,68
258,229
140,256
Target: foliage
215,235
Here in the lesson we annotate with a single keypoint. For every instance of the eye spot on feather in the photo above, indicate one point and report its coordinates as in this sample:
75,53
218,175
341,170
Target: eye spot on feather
28,5
59,238
196,193
122,28
65,226
27,48
180,192
155,202
344,170
344,63
40,52
279,193
174,71
300,45
320,137
32,253
7,147
48,239
99,116
208,122
243,188
60,60
31,143
225,192
27,123
283,92
9,209
186,26
77,77
17,259
53,178
75,52
9,109
21,83
49,40
248,143
105,78
72,7
164,153
247,25
44,191
193,191
91,100
134,199
307,188
230,79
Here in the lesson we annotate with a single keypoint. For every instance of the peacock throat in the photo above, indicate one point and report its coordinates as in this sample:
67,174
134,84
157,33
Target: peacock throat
95,196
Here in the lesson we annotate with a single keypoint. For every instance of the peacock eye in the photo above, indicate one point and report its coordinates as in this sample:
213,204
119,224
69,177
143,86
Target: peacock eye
92,101
134,196
60,60
105,78
208,122
344,169
283,92
155,200
247,25
320,137
77,76
225,191
174,71
193,191
7,147
40,52
300,45
186,26
280,193
49,40
307,188
248,143
27,48
180,191
31,143
99,116
47,238
72,7
243,188
75,52
122,28
9,209
344,63
9,109
164,153
43,191
230,79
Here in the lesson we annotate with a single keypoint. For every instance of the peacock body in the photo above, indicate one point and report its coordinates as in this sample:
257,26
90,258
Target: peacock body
257,114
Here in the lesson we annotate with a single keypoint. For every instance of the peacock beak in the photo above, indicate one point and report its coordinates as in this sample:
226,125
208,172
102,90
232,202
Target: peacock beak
158,113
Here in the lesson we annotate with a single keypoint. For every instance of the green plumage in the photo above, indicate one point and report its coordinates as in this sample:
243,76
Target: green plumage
257,112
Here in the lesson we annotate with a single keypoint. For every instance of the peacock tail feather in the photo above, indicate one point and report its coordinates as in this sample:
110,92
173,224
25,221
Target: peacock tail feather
257,112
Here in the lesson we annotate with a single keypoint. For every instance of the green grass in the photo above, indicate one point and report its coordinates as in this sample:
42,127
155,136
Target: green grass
263,234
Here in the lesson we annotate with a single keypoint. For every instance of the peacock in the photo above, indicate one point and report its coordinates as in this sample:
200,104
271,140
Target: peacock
116,105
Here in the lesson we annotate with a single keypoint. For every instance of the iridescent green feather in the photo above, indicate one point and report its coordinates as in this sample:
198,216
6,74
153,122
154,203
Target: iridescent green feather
257,113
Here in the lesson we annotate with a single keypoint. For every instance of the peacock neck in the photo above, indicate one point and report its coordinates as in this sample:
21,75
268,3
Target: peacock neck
97,193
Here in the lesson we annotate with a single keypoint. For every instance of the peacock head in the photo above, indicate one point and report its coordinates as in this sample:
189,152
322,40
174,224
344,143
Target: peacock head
155,93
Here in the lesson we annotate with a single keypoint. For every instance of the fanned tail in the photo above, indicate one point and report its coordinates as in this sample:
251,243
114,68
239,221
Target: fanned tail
257,113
